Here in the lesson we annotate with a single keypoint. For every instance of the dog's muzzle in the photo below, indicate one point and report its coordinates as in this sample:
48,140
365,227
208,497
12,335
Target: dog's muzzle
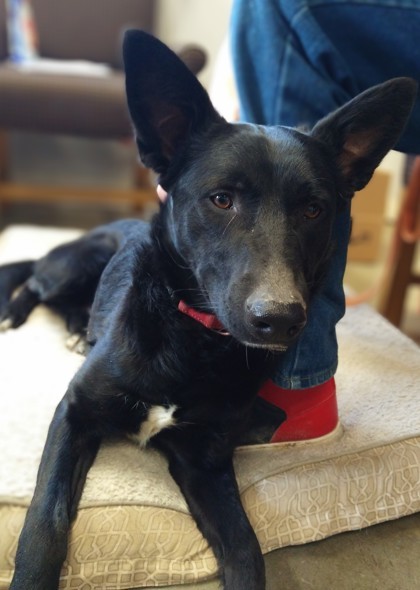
273,323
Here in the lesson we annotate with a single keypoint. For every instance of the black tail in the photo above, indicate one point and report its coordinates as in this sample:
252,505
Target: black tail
13,276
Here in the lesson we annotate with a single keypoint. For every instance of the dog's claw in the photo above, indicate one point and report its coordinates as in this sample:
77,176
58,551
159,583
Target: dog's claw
6,325
76,343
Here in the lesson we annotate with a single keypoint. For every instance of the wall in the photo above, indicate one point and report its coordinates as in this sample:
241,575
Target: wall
195,21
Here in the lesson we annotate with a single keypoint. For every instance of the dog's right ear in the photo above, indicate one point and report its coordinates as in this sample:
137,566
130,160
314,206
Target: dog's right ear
166,101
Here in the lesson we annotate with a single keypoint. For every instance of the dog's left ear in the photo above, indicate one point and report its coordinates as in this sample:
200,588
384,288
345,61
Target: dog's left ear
363,131
166,101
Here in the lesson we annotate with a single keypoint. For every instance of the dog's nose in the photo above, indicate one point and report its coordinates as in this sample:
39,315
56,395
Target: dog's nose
274,322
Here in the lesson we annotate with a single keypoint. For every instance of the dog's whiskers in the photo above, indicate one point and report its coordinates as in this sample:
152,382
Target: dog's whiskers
200,299
227,226
269,354
246,357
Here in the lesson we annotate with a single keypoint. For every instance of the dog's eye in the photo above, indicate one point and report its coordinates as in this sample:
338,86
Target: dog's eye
312,211
222,200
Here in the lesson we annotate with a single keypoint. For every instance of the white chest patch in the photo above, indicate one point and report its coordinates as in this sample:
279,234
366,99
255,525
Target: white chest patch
158,418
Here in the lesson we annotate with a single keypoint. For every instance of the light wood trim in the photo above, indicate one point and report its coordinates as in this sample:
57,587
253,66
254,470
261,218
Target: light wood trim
14,192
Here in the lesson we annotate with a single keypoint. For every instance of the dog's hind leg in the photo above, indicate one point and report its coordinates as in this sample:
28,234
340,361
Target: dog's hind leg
69,452
211,492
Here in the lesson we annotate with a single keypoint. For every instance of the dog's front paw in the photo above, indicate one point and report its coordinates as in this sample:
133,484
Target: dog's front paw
13,316
77,343
6,324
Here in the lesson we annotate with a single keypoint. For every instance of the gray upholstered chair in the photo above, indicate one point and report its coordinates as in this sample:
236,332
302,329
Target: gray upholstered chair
92,107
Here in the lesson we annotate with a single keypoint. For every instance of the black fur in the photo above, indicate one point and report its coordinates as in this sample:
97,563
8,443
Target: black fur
246,235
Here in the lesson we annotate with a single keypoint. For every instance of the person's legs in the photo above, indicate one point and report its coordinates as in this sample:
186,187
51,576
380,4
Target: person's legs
295,61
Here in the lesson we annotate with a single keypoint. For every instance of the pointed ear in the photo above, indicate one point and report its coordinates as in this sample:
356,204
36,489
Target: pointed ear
166,101
362,131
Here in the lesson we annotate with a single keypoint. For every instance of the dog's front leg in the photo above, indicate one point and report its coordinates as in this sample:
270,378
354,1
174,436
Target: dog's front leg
68,454
212,495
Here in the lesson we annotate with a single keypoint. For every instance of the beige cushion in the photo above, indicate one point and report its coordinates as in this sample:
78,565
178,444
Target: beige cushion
133,528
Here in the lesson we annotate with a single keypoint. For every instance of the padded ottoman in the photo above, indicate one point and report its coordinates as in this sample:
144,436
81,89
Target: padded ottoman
133,528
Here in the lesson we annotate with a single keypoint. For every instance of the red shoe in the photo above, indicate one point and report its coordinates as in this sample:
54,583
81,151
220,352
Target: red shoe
310,413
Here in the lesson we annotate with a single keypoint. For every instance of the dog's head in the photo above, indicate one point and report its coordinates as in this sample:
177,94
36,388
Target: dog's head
251,208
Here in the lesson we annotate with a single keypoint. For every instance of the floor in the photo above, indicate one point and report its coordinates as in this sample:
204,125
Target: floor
383,557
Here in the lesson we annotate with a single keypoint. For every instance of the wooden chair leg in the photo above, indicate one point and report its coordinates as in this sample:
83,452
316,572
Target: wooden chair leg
406,238
400,281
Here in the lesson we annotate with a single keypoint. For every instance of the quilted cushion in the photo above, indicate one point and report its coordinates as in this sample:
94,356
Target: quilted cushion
133,528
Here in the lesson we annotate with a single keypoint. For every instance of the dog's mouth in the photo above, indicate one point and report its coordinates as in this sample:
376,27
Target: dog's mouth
268,347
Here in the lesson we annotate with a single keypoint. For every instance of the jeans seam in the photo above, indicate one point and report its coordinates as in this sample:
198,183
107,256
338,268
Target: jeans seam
302,382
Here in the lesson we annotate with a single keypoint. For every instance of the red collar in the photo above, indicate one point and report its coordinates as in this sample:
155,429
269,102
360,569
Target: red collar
208,320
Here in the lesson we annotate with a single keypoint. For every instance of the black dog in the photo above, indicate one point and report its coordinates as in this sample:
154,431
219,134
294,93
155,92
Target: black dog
188,314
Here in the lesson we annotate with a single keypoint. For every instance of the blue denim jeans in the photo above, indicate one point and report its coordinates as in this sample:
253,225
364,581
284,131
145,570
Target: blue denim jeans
295,61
